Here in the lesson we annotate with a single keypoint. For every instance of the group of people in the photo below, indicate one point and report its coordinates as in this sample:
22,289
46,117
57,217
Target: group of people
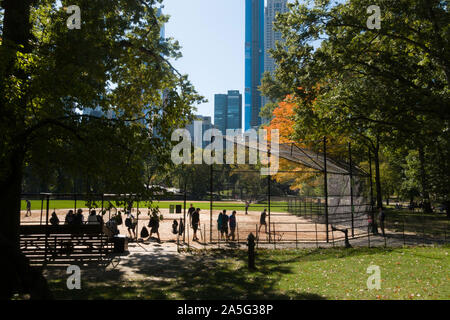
223,221
78,218
226,224
194,219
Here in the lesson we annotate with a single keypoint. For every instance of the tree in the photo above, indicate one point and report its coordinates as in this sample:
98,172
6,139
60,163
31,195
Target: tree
379,87
274,91
51,75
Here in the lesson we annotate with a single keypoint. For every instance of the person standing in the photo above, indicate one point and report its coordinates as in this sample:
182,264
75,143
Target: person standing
191,210
262,220
224,225
232,225
195,223
219,222
247,204
28,214
130,223
154,225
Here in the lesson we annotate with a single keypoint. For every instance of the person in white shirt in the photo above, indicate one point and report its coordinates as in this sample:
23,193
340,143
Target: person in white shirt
92,219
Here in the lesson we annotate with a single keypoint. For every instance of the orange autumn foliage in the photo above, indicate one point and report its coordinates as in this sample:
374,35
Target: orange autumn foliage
297,175
283,120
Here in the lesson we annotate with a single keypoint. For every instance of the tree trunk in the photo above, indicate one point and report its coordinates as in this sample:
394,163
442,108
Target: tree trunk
16,37
10,192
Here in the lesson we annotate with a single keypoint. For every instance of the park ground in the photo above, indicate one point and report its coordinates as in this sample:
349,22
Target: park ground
152,270
158,271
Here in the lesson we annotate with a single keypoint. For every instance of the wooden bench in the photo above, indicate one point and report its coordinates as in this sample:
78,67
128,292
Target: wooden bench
65,244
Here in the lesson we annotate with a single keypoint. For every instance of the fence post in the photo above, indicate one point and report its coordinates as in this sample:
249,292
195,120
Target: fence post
325,183
317,240
42,208
332,234
188,240
46,229
351,187
251,251
257,236
274,237
204,235
368,234
296,238
184,207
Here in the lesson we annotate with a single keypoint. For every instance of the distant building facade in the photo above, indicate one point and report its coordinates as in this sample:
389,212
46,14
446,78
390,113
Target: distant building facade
270,35
254,61
228,111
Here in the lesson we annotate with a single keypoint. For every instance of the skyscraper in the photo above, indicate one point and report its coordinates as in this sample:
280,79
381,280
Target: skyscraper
228,111
270,35
254,60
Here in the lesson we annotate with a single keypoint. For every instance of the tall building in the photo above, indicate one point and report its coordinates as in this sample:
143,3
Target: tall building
270,35
228,111
254,60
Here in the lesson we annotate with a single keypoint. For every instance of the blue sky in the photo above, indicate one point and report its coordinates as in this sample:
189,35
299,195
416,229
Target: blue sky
211,33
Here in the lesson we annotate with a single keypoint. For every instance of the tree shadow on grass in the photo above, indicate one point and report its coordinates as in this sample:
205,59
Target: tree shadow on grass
312,255
215,275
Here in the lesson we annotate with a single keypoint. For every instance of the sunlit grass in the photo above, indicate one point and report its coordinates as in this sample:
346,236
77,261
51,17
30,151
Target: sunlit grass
336,273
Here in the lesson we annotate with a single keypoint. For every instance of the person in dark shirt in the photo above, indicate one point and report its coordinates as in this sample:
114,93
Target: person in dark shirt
154,225
191,210
54,219
195,221
262,220
28,208
219,222
224,225
70,217
232,225
79,218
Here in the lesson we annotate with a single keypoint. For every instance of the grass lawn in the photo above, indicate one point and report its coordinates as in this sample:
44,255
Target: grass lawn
337,273
430,225
277,206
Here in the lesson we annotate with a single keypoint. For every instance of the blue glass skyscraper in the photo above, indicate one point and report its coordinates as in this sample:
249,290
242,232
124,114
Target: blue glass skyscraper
254,60
228,111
